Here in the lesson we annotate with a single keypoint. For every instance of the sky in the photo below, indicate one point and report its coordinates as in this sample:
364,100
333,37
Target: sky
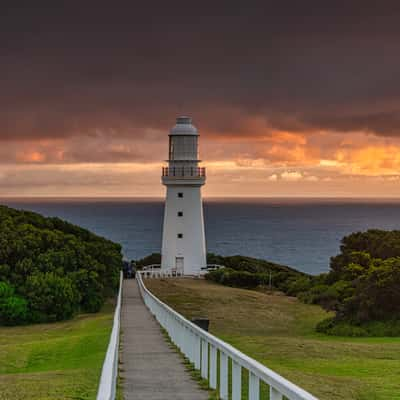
297,99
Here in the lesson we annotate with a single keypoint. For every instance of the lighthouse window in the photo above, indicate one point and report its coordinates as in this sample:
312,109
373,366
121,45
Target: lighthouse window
183,147
180,235
180,194
180,214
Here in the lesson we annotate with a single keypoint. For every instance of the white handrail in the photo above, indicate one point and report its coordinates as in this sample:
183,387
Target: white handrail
109,373
201,349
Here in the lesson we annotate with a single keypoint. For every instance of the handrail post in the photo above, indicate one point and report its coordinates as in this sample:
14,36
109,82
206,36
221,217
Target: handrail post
185,341
204,359
190,343
254,387
197,352
213,367
223,376
274,394
236,381
181,337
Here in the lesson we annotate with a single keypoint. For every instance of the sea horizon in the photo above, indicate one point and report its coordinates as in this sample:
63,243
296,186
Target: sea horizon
210,198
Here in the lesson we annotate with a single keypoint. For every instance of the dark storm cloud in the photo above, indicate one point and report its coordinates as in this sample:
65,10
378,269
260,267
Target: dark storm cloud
73,70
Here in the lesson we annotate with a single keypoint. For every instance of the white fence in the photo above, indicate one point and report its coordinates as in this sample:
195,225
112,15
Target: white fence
202,349
155,271
109,373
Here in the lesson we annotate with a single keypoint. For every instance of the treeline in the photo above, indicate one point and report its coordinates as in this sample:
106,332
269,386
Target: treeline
51,269
249,273
362,287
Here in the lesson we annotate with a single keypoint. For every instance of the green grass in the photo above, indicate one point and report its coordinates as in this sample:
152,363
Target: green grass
54,361
279,332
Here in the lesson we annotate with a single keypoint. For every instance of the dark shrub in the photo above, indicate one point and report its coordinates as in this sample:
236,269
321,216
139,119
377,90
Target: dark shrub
51,297
347,329
215,276
250,272
298,285
383,328
6,290
13,310
241,279
335,327
325,325
230,277
91,290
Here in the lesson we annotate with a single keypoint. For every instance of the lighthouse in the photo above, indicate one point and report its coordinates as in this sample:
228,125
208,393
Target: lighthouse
183,240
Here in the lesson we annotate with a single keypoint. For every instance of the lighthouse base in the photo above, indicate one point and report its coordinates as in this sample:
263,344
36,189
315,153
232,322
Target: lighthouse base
183,242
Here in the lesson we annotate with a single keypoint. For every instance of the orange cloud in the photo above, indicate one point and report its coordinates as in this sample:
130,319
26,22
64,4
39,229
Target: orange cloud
291,176
288,137
266,162
371,160
30,157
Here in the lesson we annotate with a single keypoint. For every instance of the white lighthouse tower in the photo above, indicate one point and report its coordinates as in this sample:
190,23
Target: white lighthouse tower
183,242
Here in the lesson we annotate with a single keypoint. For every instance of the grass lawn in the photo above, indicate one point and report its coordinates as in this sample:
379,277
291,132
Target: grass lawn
279,332
54,361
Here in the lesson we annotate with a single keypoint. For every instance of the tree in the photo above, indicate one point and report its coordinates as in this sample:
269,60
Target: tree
376,294
51,297
373,243
53,267
363,285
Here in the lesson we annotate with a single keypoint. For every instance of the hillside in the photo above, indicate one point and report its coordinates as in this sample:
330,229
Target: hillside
279,331
50,269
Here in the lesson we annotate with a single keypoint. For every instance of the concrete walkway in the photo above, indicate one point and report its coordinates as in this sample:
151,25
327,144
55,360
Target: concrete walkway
151,370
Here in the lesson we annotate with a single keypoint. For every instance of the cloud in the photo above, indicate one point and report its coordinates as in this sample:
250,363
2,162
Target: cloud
273,178
102,69
371,160
137,179
303,97
291,176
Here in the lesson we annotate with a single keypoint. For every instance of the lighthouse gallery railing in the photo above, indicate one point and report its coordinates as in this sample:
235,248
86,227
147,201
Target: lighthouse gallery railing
182,172
201,348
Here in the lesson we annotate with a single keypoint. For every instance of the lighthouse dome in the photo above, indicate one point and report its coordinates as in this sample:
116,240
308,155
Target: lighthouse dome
183,127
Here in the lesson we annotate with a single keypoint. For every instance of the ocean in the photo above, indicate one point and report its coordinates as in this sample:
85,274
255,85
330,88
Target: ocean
301,233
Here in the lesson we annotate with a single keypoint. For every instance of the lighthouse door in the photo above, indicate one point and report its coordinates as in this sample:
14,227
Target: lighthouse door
179,264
